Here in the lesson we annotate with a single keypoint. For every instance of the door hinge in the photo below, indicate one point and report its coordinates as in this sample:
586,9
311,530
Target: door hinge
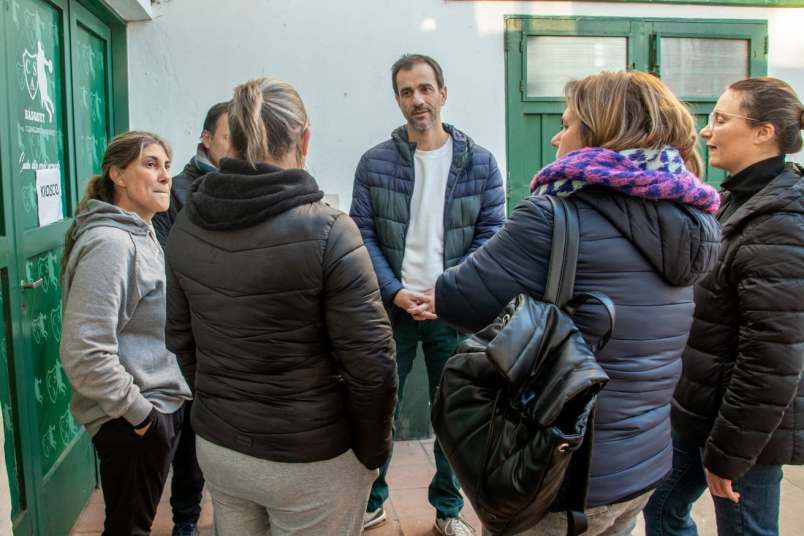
766,45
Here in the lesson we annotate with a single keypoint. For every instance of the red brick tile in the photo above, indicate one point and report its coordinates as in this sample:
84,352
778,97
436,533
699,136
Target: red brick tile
389,528
408,453
418,526
91,519
410,476
411,502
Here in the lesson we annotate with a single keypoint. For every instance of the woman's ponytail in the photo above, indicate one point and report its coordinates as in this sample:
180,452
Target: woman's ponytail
266,120
247,128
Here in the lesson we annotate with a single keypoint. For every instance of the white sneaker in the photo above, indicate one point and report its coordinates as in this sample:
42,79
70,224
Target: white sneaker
374,518
453,526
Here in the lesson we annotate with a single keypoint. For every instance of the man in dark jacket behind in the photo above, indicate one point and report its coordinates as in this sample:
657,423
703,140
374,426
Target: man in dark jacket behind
213,146
423,200
187,484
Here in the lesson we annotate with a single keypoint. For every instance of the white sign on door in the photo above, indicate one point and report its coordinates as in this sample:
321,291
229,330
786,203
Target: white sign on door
48,195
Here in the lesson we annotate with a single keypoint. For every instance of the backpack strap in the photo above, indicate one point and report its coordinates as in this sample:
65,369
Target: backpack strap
559,290
563,253
577,482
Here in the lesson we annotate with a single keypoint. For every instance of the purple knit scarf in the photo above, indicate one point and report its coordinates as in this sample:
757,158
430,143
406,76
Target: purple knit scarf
645,173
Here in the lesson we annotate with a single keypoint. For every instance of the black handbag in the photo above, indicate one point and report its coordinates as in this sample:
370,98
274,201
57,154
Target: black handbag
514,410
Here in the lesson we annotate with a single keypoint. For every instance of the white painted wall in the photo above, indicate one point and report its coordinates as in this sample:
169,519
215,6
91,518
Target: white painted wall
338,54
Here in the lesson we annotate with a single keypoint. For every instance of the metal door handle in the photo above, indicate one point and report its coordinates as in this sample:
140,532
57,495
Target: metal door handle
32,284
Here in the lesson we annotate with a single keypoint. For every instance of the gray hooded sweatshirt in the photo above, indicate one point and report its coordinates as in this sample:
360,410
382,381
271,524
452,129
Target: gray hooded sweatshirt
113,335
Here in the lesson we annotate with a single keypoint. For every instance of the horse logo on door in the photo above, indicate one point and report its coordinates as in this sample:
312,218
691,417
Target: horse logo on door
36,67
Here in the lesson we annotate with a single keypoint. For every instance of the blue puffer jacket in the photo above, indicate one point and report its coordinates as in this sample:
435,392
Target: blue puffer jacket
645,256
474,211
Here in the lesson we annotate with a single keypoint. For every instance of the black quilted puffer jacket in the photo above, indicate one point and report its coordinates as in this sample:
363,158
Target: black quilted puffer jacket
275,315
742,393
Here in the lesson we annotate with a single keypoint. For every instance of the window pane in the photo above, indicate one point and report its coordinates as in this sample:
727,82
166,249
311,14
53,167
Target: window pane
554,61
695,67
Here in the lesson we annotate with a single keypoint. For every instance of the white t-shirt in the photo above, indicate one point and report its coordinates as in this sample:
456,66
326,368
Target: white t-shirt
424,244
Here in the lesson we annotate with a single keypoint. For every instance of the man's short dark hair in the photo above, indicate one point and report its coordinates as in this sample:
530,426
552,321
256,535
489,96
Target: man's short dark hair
214,113
408,61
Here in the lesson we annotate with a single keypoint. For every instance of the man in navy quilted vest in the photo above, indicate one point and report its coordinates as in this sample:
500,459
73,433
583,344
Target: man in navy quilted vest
424,200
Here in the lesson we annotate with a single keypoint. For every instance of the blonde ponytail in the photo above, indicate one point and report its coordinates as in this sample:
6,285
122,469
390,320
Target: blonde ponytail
266,120
246,113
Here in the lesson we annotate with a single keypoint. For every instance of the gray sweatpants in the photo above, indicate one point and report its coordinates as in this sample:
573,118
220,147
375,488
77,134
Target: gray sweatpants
618,519
259,497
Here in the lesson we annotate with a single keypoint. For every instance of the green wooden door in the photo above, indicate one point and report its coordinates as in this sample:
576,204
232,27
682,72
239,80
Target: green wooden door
18,445
59,120
696,58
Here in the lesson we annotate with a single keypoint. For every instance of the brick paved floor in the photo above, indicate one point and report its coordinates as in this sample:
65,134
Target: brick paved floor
409,513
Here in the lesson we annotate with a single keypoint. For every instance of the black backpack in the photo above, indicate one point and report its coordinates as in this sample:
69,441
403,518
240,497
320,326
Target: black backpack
514,410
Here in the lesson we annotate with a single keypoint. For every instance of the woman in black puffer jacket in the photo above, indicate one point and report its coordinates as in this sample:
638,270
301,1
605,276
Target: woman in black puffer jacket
275,316
739,407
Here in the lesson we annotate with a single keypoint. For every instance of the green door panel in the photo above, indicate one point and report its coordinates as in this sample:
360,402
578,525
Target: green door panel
91,51
413,420
38,99
56,427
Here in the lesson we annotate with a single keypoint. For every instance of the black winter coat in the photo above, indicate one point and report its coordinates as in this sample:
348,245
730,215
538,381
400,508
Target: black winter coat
645,256
275,313
742,393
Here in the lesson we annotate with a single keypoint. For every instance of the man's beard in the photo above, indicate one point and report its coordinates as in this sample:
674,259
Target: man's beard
421,124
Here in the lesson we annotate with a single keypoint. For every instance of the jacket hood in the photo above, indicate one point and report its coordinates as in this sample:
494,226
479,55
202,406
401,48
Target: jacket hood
240,195
681,242
101,214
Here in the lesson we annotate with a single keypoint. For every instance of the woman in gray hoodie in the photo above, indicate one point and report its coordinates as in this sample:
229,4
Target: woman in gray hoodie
127,387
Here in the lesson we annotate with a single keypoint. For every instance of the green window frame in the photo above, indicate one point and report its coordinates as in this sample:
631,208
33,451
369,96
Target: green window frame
532,121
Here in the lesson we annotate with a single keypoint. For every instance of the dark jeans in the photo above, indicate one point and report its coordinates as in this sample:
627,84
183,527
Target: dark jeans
757,513
133,471
187,484
438,341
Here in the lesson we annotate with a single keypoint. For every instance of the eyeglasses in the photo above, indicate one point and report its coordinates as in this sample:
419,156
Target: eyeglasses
711,124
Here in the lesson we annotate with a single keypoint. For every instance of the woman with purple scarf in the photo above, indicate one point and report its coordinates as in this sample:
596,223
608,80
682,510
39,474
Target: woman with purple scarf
627,161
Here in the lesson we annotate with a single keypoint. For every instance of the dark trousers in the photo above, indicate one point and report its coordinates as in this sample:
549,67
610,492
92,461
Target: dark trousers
133,471
438,342
187,484
757,513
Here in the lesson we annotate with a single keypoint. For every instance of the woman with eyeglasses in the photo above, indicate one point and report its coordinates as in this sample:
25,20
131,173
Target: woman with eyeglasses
738,411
